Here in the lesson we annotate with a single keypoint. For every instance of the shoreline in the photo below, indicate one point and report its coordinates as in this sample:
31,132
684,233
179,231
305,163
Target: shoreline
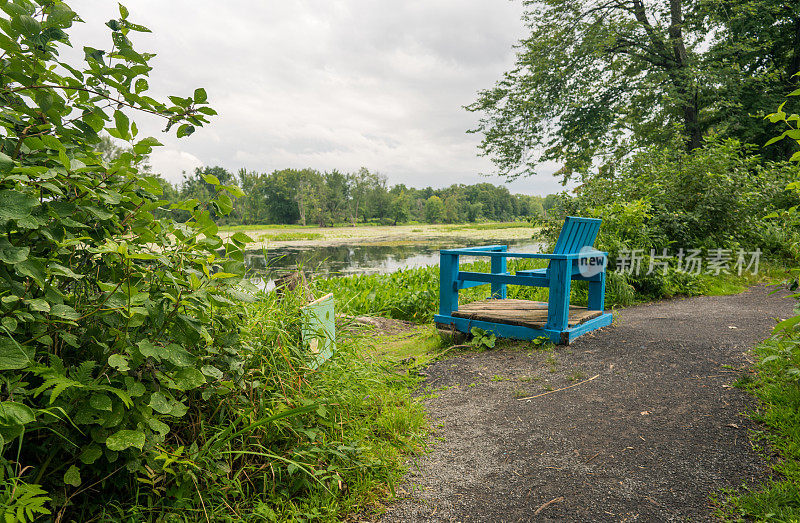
381,235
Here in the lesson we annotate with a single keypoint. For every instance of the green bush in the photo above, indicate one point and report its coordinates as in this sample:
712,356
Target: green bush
112,322
136,383
775,384
718,196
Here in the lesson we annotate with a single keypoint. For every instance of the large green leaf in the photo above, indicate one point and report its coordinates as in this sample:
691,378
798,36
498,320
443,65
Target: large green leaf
188,378
12,254
160,403
16,413
125,439
14,356
178,356
6,163
33,268
15,205
64,311
73,476
90,454
119,362
100,402
148,350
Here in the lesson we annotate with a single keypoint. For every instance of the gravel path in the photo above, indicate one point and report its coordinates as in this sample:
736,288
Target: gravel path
650,439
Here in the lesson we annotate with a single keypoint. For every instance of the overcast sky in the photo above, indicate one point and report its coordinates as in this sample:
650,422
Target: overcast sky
327,84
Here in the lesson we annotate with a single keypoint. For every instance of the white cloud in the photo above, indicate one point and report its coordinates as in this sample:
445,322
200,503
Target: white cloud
326,84
171,163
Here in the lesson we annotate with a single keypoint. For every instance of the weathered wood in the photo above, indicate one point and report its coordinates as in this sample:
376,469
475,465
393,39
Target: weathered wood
524,313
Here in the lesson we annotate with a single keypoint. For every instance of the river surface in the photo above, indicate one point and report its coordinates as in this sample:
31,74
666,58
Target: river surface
342,260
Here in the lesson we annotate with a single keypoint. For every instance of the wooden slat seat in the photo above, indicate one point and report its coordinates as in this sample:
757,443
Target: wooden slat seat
525,313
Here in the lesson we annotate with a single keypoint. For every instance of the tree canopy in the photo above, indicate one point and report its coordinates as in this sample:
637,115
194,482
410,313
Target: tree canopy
307,196
597,79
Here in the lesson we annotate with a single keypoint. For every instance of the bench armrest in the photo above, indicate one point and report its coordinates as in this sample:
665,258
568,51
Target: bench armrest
542,256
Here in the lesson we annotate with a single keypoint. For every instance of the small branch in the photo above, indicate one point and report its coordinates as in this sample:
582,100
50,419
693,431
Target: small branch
558,390
545,505
85,89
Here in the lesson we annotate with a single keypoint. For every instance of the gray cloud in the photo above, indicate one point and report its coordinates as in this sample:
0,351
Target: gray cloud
327,84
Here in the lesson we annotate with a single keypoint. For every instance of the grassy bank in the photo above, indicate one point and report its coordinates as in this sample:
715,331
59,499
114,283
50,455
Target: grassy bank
408,234
774,383
282,441
344,453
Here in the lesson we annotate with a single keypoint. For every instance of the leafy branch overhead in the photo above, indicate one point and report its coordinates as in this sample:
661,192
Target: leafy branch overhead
110,318
595,80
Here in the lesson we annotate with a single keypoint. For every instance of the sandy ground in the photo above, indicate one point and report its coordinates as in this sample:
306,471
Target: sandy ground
651,438
381,235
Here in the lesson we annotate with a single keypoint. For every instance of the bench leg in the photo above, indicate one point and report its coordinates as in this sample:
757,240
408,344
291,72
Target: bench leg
558,302
448,277
597,293
499,267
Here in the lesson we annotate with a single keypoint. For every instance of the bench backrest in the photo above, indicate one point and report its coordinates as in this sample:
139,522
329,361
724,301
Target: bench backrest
577,233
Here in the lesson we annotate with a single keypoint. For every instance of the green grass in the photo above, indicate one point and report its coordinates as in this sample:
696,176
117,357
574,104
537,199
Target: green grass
417,347
489,226
776,386
344,449
413,294
235,228
290,236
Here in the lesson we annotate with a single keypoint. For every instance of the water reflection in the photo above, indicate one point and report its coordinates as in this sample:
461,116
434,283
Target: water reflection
359,259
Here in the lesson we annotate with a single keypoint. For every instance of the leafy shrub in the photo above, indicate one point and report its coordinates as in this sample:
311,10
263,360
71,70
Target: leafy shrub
130,361
718,196
112,322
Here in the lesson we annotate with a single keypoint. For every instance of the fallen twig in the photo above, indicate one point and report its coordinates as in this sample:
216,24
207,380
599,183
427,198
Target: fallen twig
559,390
590,459
545,505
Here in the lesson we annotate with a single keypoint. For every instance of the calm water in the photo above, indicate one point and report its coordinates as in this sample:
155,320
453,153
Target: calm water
360,259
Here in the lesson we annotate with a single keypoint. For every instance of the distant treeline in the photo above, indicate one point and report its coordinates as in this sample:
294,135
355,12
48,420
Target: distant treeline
310,197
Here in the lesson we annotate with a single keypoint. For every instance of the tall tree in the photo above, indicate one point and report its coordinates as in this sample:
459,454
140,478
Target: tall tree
360,182
434,209
753,64
337,195
596,78
309,183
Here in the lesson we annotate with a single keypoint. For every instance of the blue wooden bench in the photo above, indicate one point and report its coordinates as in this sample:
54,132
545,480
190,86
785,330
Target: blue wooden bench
573,258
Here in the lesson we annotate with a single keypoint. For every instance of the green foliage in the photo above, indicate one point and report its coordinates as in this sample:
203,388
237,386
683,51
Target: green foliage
290,236
348,427
307,196
594,80
113,321
434,210
20,501
776,387
482,339
718,196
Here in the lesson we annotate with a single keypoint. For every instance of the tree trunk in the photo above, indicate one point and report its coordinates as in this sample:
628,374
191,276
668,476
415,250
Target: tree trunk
794,67
354,215
685,87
